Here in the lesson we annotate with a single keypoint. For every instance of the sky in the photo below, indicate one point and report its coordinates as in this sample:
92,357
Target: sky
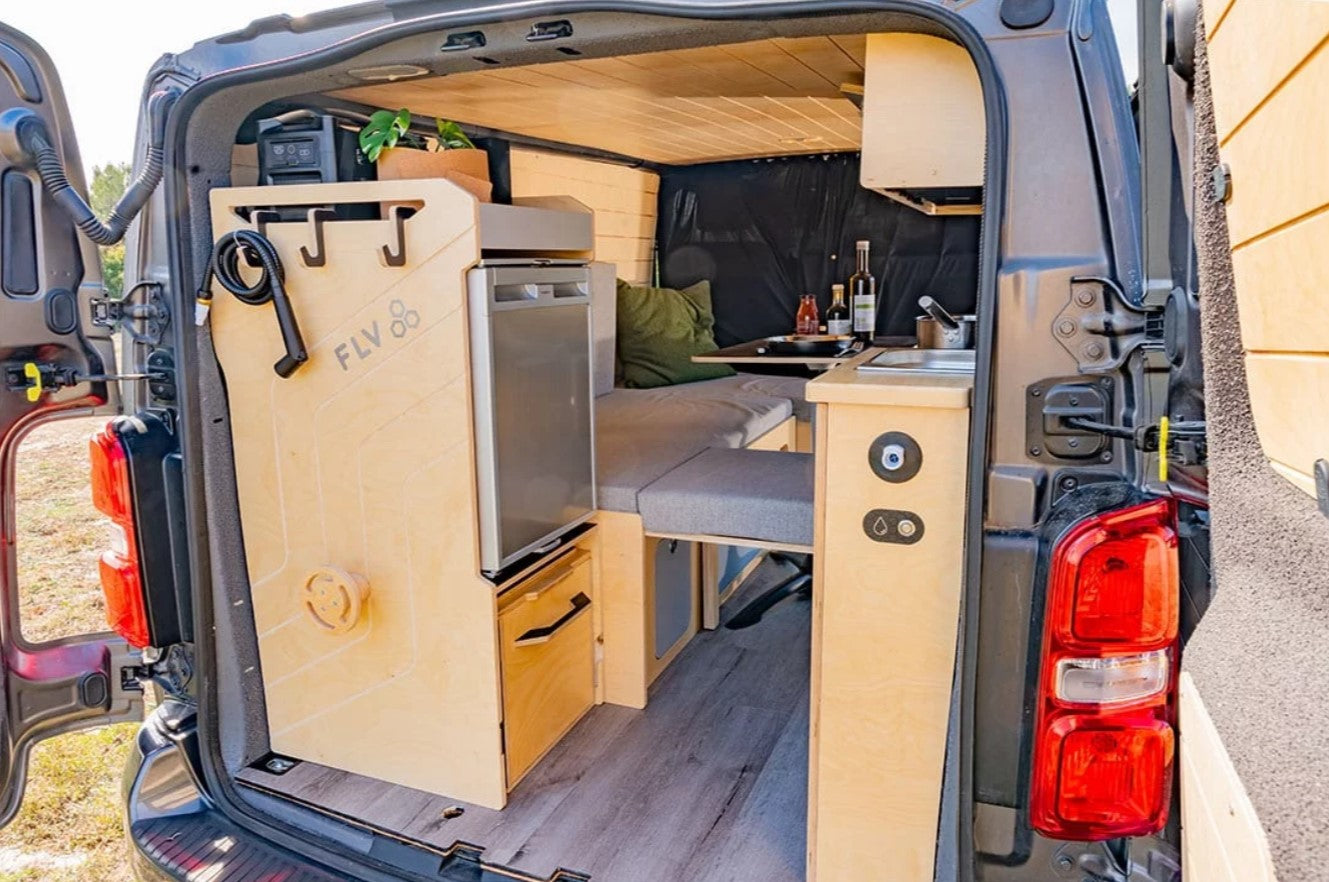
102,57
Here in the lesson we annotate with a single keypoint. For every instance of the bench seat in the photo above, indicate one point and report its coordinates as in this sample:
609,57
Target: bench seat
641,434
792,388
761,495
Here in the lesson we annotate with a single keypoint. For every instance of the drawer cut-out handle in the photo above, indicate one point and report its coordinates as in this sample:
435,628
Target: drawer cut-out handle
580,602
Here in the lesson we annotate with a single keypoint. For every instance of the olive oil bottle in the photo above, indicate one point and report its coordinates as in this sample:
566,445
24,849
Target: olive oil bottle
863,296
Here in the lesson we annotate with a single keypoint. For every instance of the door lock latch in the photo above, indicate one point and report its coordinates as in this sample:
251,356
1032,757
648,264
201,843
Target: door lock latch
35,379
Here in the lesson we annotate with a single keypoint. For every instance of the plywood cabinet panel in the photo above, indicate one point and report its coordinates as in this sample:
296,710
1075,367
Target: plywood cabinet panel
885,619
930,134
546,639
361,461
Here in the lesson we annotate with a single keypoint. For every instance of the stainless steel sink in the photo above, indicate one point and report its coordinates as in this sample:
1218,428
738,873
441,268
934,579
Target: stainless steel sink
921,362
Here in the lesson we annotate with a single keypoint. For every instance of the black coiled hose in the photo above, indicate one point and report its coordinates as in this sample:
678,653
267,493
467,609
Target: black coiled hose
36,142
224,266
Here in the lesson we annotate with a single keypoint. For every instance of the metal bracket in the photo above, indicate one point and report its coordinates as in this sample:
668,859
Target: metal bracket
1222,181
145,322
319,255
1322,485
1049,403
396,257
1099,327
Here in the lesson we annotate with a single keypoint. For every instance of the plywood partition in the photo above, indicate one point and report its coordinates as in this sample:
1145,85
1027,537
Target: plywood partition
884,618
1270,72
623,200
362,461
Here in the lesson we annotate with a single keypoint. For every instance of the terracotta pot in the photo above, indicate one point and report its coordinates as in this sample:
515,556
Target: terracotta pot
467,168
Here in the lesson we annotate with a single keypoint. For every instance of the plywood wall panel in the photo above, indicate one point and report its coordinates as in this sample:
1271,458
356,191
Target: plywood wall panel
1270,74
1290,402
622,198
1285,37
1224,841
1281,284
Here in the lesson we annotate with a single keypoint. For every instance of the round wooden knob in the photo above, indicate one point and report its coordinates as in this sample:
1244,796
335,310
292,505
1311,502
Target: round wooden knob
334,598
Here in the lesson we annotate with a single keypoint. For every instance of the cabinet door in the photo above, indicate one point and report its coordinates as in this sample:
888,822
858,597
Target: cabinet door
546,636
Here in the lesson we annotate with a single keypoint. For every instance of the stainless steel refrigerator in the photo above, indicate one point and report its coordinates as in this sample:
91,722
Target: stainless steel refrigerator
534,418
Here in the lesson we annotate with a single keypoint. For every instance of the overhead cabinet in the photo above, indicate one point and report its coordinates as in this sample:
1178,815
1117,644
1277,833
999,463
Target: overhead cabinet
924,131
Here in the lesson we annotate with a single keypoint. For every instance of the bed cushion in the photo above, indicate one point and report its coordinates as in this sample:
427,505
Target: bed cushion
793,388
641,434
763,495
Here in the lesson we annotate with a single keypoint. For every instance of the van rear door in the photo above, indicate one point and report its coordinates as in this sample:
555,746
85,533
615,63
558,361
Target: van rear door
50,357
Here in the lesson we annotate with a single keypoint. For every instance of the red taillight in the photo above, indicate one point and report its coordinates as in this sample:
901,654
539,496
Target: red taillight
1103,741
122,580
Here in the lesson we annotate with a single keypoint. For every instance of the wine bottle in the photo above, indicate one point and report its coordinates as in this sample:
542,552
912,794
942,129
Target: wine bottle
863,296
837,316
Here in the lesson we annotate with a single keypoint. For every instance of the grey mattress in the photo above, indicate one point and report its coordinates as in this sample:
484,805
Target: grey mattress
793,388
747,494
640,434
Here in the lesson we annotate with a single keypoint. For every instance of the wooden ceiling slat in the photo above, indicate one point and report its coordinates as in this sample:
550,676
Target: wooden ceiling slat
763,98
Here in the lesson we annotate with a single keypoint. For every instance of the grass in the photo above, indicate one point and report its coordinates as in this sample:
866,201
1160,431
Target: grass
70,825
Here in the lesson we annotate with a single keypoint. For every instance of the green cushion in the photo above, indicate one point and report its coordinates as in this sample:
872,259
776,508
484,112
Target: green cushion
660,329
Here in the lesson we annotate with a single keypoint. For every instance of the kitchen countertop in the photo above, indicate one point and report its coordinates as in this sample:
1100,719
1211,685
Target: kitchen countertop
845,384
752,352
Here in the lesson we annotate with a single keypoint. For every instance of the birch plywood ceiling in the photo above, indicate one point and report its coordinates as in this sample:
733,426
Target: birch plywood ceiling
774,97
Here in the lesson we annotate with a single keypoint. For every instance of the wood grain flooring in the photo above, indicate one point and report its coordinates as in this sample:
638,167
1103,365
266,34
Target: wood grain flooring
708,783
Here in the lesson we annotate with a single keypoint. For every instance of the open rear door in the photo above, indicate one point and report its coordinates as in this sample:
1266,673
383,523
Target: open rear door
50,358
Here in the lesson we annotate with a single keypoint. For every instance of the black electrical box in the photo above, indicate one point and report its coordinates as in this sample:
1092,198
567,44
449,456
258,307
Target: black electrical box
312,149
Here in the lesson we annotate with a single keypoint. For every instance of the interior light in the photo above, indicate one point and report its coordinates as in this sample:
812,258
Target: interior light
387,73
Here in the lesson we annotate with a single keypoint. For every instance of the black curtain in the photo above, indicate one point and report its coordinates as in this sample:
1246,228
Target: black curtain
765,231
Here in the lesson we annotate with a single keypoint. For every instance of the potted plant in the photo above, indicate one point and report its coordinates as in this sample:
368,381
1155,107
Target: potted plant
387,140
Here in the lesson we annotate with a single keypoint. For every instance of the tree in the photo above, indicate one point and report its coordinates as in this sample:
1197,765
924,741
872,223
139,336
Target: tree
108,185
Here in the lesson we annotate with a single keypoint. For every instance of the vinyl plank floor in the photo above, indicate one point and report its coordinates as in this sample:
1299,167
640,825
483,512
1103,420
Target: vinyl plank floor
708,783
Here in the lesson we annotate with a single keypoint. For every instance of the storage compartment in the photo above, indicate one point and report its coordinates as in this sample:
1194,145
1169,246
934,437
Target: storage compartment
546,646
924,143
675,594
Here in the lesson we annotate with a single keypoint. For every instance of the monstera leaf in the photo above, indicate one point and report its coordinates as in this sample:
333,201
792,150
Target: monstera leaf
384,129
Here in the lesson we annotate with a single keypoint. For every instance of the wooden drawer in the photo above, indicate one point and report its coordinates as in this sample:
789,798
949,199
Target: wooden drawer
547,652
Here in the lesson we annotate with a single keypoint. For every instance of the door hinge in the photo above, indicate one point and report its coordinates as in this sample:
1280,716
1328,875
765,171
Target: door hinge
1099,327
171,668
141,313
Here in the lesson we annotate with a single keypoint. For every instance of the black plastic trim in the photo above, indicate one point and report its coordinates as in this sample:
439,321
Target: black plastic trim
18,235
20,73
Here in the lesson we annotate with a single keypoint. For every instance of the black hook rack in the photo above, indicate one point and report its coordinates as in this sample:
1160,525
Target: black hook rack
319,256
397,257
260,218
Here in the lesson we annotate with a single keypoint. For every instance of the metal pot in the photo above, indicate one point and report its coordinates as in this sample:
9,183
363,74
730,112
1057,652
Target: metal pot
941,330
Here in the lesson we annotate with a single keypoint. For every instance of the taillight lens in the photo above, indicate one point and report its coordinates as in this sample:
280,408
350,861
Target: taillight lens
1104,743
121,576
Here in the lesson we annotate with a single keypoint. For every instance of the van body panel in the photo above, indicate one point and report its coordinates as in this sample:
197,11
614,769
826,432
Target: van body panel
52,360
